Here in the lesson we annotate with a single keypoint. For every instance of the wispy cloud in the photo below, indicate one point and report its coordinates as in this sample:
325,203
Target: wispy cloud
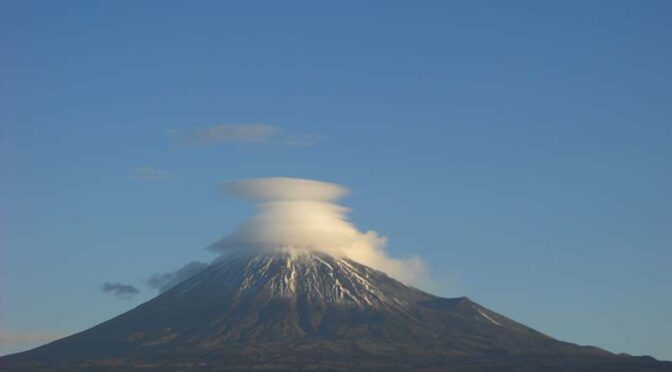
250,133
124,291
152,174
12,341
165,281
247,133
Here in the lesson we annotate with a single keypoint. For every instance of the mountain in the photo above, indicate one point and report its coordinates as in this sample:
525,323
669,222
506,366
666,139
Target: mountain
283,310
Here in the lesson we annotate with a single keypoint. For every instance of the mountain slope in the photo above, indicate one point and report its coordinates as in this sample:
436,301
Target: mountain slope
289,310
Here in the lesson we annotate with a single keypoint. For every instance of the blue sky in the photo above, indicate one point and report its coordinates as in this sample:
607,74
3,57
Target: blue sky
521,149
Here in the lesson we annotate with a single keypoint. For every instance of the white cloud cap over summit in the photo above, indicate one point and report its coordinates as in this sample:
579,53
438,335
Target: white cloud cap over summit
285,188
299,214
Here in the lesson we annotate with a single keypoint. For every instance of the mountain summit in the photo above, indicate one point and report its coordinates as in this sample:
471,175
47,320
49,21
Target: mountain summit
294,310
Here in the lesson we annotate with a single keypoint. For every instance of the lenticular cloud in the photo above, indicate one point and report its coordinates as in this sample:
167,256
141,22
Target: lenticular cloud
301,215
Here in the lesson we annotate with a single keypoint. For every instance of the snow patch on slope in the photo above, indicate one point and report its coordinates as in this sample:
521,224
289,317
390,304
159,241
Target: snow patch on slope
486,316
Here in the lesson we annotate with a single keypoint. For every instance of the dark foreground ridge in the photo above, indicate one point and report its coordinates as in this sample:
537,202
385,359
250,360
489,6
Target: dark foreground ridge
290,311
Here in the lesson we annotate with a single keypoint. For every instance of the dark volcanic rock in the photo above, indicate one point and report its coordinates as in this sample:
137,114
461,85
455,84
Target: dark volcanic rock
312,311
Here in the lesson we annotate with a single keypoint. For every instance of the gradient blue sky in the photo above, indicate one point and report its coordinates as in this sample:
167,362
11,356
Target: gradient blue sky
522,149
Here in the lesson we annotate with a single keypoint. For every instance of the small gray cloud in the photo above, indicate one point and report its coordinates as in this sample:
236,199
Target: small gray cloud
246,133
124,291
165,281
152,174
